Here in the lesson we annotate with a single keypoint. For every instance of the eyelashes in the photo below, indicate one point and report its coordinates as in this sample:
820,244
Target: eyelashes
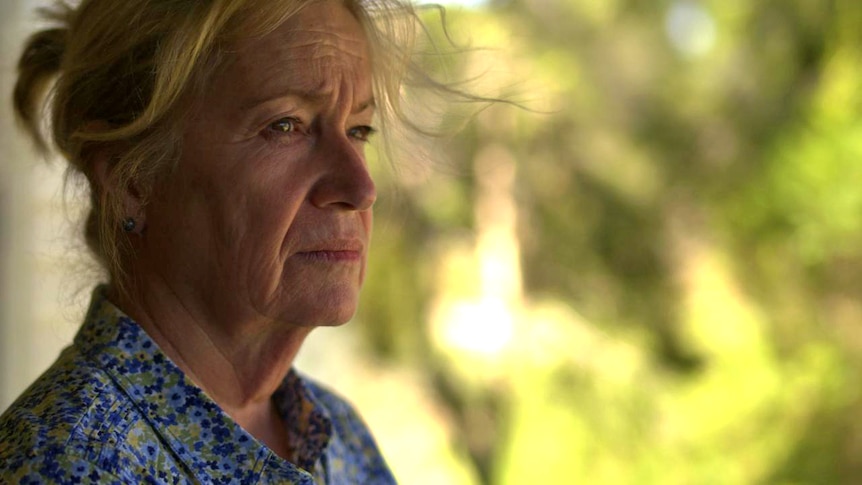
291,126
284,125
362,133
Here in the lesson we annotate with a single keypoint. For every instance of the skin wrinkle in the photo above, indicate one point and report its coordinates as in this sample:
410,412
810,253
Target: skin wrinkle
324,46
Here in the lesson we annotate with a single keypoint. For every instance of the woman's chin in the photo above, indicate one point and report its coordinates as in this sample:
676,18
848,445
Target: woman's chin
329,308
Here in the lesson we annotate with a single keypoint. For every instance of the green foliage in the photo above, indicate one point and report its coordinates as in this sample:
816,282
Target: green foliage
686,223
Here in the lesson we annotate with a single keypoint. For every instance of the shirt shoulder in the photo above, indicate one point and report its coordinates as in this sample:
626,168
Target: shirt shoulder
73,425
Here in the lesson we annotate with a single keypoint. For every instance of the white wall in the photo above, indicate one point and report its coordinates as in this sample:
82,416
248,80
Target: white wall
36,318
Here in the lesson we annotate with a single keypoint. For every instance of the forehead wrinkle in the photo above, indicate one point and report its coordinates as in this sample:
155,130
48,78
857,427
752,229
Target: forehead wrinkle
315,72
329,43
309,62
336,38
332,50
315,79
317,84
326,51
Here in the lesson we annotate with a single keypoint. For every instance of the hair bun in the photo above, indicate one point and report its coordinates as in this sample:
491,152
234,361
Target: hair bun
39,63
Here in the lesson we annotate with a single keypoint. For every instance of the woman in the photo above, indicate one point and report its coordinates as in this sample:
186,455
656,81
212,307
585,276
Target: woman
232,207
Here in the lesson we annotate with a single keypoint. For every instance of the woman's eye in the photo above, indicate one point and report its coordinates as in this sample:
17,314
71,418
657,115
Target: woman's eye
361,133
284,125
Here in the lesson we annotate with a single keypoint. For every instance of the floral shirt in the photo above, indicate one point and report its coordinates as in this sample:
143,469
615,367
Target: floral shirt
115,409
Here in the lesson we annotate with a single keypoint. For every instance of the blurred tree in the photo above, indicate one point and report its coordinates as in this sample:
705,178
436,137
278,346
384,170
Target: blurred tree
688,224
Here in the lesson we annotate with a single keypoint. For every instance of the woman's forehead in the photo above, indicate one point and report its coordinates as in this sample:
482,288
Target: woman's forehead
325,28
322,45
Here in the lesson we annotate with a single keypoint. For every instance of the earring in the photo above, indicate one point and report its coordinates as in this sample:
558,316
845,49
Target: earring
128,224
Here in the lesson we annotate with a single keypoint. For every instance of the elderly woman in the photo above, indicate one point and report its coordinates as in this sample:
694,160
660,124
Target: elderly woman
223,142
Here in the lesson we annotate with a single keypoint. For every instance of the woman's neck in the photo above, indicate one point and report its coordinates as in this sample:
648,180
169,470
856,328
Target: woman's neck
239,370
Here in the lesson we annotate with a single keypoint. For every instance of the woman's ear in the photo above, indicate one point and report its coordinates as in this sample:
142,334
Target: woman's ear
104,163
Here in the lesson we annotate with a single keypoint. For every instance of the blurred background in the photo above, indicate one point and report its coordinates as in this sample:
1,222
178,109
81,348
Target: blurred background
651,277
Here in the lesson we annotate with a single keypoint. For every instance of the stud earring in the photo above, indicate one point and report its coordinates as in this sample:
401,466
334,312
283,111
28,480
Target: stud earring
128,224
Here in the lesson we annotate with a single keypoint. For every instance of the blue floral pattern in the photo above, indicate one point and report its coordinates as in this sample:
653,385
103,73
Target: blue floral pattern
115,409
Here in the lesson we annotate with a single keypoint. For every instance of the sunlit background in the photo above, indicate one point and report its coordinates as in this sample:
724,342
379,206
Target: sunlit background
652,275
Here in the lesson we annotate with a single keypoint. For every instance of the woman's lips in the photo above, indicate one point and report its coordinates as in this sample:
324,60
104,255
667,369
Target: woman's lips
341,250
331,256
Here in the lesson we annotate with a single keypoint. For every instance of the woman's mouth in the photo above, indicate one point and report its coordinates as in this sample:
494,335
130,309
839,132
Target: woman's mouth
331,256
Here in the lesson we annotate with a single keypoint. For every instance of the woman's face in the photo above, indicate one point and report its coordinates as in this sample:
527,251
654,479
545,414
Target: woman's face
268,213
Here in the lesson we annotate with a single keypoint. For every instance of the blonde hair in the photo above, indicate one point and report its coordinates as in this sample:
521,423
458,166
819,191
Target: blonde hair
124,73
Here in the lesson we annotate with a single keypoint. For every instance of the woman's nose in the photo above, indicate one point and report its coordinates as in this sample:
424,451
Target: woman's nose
345,183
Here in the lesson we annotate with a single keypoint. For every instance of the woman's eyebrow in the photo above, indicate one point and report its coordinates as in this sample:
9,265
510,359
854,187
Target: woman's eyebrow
302,97
369,104
305,98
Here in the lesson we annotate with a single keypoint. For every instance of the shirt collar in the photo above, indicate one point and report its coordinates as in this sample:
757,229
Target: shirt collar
195,428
